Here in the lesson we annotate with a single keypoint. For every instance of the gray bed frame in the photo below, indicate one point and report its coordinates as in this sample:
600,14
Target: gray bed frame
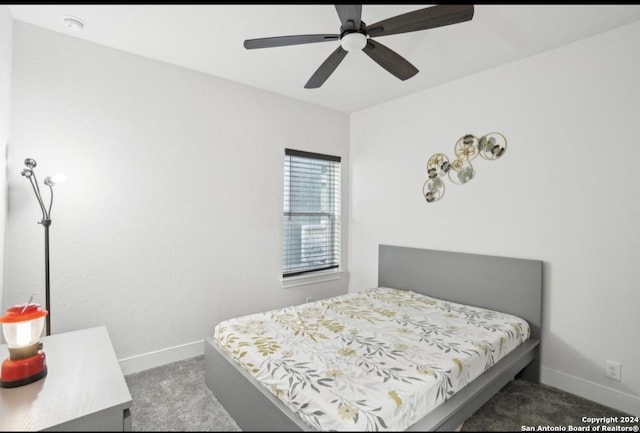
505,284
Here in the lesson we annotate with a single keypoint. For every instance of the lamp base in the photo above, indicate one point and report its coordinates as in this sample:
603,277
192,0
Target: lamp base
19,372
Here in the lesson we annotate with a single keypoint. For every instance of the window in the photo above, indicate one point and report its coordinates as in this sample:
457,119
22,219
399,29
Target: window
311,217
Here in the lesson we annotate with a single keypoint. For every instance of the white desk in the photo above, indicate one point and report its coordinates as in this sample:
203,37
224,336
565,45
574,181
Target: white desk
84,389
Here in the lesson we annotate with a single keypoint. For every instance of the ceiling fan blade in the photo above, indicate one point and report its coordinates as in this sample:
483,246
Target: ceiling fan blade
326,69
390,60
350,16
280,41
422,19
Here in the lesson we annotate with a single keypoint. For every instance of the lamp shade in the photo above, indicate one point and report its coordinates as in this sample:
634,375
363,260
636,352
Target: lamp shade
22,325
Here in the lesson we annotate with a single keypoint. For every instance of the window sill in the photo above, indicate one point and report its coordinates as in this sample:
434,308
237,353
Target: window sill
318,277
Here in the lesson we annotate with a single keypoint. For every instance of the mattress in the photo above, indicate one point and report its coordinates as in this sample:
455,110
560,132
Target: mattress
379,359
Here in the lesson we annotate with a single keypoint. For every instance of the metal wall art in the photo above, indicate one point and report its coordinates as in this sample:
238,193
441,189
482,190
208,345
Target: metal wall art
490,146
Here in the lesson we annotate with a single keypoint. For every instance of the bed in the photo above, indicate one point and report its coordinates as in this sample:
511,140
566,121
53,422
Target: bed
511,286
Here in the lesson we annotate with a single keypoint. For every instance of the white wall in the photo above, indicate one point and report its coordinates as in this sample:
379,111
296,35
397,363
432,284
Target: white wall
566,192
170,218
6,46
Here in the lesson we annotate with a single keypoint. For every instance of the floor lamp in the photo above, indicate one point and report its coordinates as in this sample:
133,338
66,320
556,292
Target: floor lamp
49,181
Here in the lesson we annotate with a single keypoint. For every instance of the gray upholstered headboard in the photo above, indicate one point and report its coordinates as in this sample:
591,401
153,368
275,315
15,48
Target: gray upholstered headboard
505,284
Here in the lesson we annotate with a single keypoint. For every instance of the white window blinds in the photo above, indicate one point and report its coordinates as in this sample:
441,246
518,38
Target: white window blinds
311,218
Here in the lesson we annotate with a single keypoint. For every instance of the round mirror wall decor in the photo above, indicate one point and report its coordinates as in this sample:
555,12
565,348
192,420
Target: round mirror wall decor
490,146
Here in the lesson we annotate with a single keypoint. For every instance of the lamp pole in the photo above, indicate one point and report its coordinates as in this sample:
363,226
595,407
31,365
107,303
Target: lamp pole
30,174
46,223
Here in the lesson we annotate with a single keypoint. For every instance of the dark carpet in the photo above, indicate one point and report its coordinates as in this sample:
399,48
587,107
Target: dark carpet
523,404
174,397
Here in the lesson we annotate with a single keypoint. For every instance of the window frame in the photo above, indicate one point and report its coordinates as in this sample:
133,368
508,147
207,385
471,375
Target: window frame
334,215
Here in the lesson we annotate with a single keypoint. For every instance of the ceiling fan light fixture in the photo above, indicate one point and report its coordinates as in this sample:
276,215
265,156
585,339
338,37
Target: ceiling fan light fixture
353,41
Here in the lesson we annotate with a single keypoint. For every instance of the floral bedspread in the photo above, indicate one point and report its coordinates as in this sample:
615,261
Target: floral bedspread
374,360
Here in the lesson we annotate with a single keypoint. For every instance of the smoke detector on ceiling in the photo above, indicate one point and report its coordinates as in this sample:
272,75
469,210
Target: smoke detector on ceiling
72,23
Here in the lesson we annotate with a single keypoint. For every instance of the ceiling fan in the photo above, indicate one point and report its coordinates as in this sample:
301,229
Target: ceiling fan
356,35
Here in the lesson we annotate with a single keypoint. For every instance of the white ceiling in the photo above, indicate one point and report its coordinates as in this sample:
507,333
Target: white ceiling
209,38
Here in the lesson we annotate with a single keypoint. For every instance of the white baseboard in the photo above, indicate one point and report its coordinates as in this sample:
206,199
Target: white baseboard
591,391
161,357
